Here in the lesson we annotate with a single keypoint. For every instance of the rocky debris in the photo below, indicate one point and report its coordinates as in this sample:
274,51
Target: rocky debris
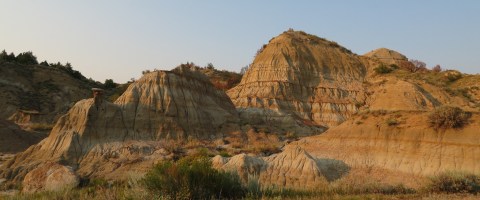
293,168
310,78
50,177
13,139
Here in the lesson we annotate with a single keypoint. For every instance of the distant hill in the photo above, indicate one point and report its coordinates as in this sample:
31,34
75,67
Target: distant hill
221,79
45,89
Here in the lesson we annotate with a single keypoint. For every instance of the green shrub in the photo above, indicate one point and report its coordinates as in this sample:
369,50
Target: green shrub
453,75
455,182
224,153
448,117
383,69
392,122
192,178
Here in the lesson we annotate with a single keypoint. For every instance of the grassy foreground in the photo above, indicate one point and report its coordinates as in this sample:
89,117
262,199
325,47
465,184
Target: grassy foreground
194,178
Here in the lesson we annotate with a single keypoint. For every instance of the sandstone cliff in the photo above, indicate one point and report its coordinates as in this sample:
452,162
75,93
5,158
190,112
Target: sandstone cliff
302,76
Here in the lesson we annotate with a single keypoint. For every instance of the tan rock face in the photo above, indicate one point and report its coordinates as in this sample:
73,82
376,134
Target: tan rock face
110,140
394,94
410,146
175,104
293,168
50,177
305,76
387,56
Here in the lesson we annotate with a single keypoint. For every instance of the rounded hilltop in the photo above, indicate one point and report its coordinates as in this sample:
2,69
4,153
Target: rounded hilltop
387,56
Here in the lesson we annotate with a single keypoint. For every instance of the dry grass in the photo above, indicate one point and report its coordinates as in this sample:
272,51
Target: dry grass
359,183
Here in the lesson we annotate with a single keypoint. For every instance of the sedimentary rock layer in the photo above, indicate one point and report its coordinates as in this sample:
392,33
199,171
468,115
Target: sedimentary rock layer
305,76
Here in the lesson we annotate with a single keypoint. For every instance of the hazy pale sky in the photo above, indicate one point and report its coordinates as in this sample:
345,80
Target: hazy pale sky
118,39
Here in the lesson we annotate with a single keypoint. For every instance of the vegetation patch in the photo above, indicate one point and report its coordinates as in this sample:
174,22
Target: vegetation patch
383,69
446,117
192,178
392,122
454,182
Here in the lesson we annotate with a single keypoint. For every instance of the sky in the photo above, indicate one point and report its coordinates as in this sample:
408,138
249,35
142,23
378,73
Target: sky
119,39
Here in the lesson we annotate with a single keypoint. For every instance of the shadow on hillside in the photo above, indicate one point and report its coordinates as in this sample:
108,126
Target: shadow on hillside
332,169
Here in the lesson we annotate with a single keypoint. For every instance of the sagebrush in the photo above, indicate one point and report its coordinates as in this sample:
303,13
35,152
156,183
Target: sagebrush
448,117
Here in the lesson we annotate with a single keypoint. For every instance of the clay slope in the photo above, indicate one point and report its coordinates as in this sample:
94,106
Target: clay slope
176,105
409,145
303,76
114,140
48,90
389,92
13,139
293,168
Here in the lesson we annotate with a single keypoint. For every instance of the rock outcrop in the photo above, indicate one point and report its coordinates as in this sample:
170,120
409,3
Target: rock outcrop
176,104
293,168
50,177
388,57
102,139
299,75
400,142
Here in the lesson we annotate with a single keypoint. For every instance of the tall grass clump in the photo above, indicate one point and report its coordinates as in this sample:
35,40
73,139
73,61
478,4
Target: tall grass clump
454,182
446,117
192,178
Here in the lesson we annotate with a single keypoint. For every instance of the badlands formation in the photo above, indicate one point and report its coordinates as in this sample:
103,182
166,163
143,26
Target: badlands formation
102,139
298,84
304,77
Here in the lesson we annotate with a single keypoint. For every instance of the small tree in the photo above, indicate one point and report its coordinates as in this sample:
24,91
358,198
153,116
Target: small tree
110,84
4,57
417,65
437,68
210,66
26,58
44,63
